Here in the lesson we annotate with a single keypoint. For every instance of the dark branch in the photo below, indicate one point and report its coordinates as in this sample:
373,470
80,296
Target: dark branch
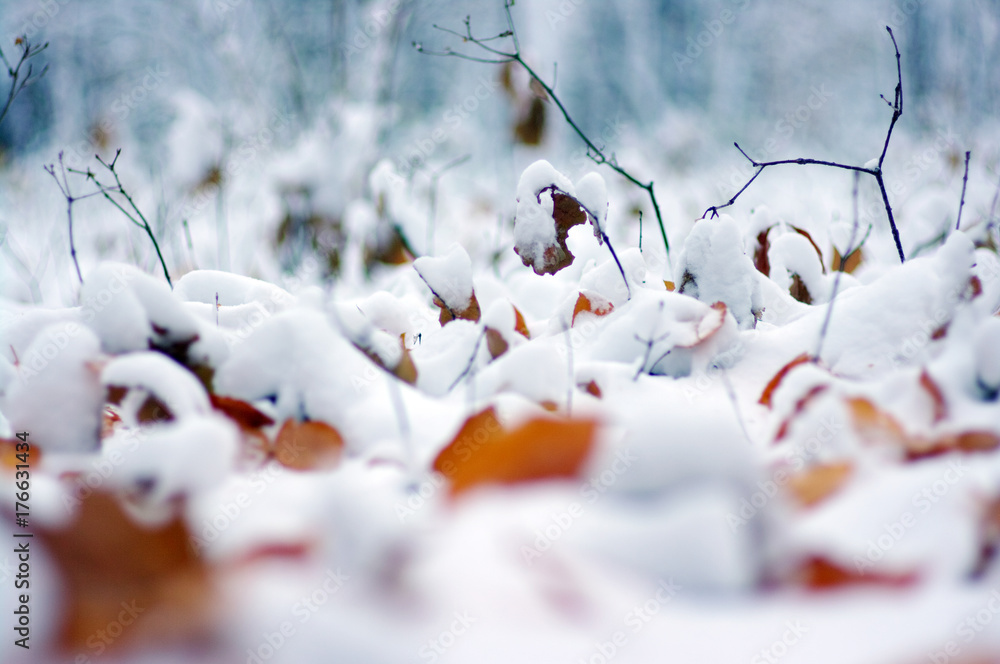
596,154
17,84
965,181
876,171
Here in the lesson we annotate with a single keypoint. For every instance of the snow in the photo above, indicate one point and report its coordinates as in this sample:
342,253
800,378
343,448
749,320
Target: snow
57,396
449,276
154,373
683,532
592,193
719,270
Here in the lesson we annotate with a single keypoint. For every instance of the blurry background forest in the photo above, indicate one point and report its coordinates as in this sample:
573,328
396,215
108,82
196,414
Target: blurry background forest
235,115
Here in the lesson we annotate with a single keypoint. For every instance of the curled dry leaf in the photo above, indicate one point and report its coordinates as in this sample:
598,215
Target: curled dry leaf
819,482
495,342
707,326
932,389
593,303
772,385
240,412
592,388
850,265
112,566
799,408
404,369
877,426
566,213
310,445
820,573
483,452
469,312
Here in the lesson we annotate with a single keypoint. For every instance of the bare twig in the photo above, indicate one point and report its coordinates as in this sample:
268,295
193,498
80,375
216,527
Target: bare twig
118,188
965,181
472,360
497,56
875,171
840,272
17,84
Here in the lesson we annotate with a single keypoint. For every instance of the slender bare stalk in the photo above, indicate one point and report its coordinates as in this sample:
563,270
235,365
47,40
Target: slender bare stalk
874,171
497,56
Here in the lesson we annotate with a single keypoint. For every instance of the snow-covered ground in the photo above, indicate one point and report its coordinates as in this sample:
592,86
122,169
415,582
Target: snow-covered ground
386,414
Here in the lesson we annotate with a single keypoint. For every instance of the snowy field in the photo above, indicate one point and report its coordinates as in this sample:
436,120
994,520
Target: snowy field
355,353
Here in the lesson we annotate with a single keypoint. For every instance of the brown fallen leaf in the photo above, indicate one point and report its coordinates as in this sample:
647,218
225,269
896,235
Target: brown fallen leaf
874,424
495,342
591,303
799,408
566,213
799,290
145,582
448,313
932,389
484,453
820,573
240,412
519,324
9,451
772,385
760,258
850,265
819,482
593,388
309,445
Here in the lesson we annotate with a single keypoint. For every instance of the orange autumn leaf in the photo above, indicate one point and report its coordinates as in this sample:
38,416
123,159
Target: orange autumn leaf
874,424
820,573
813,485
968,442
484,453
480,429
800,406
593,388
469,311
519,324
114,569
709,324
932,389
241,412
772,385
8,454
592,303
670,286
310,445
